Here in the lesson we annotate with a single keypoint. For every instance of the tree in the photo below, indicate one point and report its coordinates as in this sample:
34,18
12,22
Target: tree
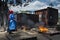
3,9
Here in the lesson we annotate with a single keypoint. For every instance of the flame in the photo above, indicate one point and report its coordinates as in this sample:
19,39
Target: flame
43,29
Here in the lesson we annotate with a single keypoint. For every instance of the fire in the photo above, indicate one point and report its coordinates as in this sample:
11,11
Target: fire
43,29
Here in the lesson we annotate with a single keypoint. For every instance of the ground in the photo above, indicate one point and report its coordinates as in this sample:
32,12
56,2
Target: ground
18,36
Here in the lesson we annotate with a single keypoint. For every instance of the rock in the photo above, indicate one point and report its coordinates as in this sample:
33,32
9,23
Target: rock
1,29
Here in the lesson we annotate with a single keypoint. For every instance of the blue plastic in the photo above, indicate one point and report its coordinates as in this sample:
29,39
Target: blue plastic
11,16
12,25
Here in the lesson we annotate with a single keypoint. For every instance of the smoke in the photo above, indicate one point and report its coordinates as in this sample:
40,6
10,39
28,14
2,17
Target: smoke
26,21
30,23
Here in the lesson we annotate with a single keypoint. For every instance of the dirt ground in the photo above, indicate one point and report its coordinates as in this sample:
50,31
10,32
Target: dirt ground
18,36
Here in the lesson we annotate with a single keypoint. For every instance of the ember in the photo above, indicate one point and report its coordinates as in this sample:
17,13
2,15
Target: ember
43,29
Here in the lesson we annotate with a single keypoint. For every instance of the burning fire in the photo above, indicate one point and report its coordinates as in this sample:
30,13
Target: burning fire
43,29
